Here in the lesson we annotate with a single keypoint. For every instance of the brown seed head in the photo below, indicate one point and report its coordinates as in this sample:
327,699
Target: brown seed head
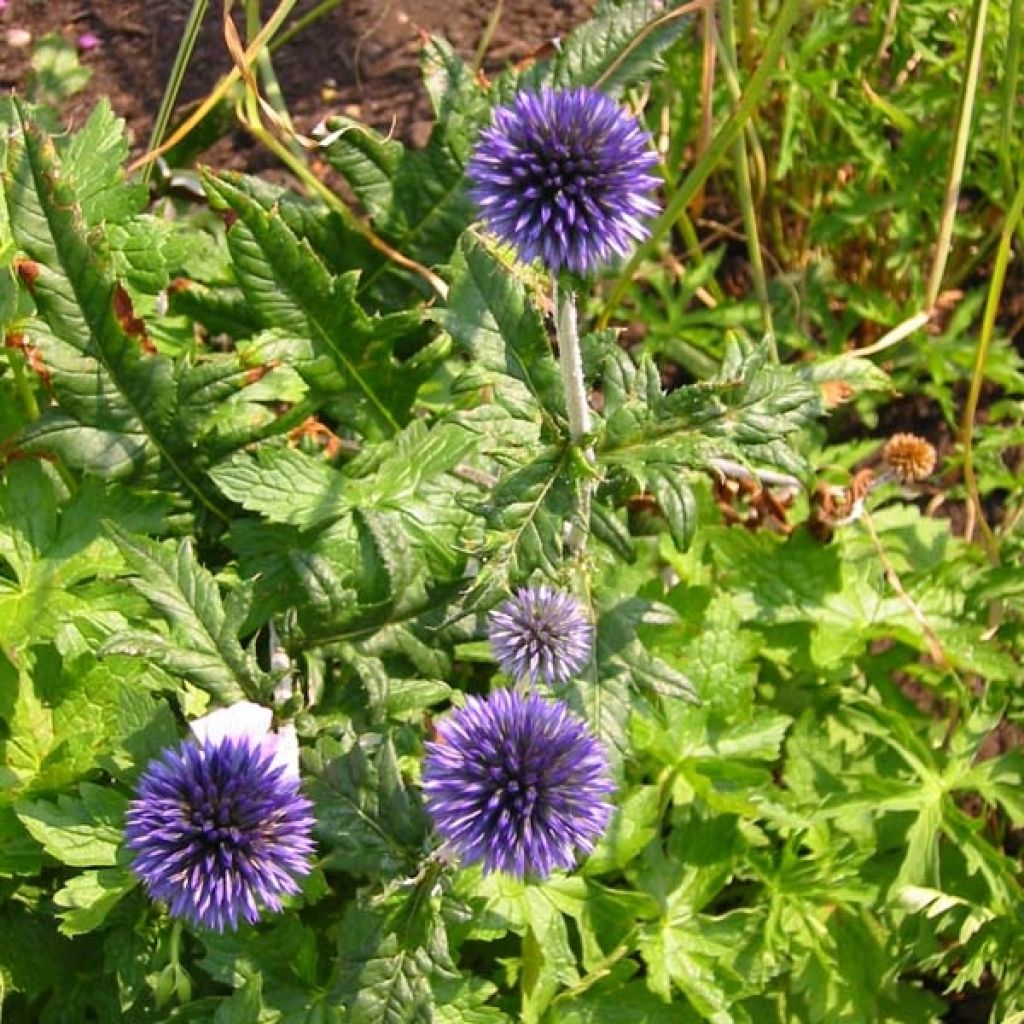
910,457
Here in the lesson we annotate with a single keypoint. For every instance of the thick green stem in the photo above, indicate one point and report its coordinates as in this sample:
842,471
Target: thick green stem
756,88
181,62
958,154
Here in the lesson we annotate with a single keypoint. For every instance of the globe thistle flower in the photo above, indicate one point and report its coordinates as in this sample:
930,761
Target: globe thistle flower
219,828
540,633
563,174
517,782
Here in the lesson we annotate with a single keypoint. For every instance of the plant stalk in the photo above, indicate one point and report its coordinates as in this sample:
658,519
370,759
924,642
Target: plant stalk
182,59
728,55
268,79
1007,138
988,323
570,360
301,24
958,154
485,40
220,90
756,88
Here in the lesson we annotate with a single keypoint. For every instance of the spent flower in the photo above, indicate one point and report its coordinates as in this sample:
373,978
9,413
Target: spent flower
564,175
541,633
910,458
218,828
518,782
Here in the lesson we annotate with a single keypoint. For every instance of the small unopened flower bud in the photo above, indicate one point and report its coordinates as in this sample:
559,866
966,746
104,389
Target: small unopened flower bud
909,457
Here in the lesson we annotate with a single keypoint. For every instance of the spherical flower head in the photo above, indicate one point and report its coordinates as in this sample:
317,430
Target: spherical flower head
564,175
909,457
541,633
518,782
218,827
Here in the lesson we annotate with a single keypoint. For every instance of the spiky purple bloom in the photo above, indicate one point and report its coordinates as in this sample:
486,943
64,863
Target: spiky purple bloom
563,174
517,782
219,828
540,633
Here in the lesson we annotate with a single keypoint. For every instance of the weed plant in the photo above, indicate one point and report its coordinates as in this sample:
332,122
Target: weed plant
300,449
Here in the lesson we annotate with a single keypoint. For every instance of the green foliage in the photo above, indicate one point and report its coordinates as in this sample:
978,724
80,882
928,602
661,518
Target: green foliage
245,454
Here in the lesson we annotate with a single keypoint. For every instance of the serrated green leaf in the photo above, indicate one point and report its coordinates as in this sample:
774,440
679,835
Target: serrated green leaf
119,396
490,315
745,413
365,159
20,854
245,1004
93,158
69,833
366,818
88,898
526,515
676,502
203,645
386,961
54,548
464,1002
290,288
619,45
635,823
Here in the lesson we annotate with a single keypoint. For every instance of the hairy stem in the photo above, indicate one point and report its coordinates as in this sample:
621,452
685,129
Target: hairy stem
570,360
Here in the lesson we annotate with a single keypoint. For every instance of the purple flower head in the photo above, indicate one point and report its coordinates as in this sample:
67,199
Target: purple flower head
218,827
88,41
518,782
563,174
540,633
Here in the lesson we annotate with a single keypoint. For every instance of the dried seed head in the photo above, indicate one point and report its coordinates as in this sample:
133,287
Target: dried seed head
911,458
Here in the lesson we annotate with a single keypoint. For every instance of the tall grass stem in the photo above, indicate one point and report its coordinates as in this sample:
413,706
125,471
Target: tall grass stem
220,90
182,59
488,34
268,80
1007,136
728,54
958,154
789,12
988,323
301,24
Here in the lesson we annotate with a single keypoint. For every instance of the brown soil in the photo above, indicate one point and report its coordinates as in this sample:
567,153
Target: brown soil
360,59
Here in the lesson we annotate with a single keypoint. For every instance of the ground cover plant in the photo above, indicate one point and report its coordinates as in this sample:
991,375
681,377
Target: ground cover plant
563,571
